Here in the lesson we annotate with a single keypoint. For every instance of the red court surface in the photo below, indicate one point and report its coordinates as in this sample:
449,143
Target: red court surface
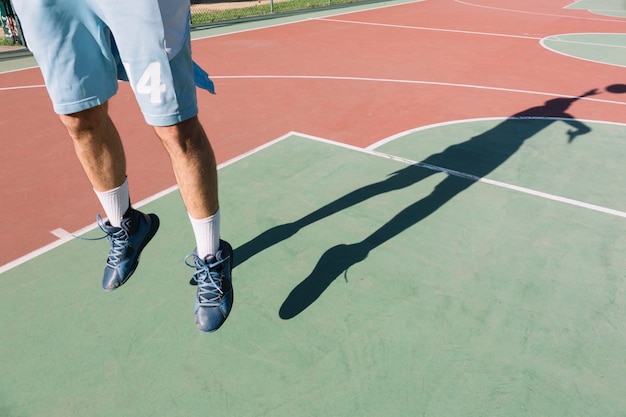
353,77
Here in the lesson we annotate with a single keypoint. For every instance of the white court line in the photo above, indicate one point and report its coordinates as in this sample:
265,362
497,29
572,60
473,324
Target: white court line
418,82
544,44
22,87
555,39
466,32
19,69
386,140
370,150
483,180
605,45
388,80
308,19
558,39
396,81
61,233
65,236
466,3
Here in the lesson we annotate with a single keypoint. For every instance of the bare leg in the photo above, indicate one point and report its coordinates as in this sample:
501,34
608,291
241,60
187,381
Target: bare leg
194,166
99,149
98,146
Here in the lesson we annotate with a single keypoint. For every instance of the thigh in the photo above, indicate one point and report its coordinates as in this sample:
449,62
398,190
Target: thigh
72,48
153,42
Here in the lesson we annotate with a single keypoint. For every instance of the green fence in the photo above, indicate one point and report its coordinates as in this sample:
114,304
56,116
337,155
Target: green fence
10,33
210,11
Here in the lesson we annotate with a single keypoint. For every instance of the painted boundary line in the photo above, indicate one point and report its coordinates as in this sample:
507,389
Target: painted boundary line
417,82
556,40
385,80
355,8
65,236
371,150
381,142
22,87
507,186
464,32
467,3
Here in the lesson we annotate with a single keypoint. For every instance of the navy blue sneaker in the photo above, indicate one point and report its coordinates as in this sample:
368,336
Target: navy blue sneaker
127,242
214,295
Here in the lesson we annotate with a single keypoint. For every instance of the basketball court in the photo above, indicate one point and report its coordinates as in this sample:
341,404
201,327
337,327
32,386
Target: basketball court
426,202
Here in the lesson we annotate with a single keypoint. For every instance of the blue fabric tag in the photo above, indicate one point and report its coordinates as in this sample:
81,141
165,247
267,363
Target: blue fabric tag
202,80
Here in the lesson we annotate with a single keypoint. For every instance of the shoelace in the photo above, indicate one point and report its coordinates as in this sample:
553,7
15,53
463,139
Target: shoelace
118,240
209,281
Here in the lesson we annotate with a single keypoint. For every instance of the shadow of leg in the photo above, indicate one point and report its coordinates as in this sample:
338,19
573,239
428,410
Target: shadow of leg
332,263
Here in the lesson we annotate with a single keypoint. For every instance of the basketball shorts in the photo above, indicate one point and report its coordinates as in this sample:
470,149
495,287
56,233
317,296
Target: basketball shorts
83,48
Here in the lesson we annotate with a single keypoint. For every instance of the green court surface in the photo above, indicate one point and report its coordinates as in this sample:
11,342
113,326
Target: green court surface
602,7
363,286
598,47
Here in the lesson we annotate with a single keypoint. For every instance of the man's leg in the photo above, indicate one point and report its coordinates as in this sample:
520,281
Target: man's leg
99,149
193,162
194,166
98,146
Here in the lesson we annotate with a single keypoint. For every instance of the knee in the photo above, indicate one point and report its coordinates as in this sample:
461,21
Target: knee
185,136
85,121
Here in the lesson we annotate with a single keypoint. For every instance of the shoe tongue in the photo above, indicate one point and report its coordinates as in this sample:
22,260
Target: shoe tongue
210,259
109,228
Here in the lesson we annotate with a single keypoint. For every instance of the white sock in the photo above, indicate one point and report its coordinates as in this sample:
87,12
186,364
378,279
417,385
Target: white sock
115,203
207,233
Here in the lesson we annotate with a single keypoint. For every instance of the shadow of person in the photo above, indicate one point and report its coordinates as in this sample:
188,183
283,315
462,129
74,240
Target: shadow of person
477,157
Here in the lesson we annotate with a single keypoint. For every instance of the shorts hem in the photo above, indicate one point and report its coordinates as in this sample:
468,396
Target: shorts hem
78,106
170,119
84,104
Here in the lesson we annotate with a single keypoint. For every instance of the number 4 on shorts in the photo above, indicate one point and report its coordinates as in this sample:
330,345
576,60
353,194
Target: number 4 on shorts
149,82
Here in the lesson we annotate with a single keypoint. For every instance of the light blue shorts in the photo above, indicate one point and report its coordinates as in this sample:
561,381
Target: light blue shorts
83,47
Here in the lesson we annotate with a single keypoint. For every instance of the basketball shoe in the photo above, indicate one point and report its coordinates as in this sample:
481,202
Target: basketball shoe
127,242
214,295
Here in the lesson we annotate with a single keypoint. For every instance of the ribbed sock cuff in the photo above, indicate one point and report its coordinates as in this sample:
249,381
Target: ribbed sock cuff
115,203
207,233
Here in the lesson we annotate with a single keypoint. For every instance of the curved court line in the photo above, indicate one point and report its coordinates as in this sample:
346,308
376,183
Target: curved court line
536,13
383,80
607,45
370,150
417,82
554,38
393,137
485,180
466,32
